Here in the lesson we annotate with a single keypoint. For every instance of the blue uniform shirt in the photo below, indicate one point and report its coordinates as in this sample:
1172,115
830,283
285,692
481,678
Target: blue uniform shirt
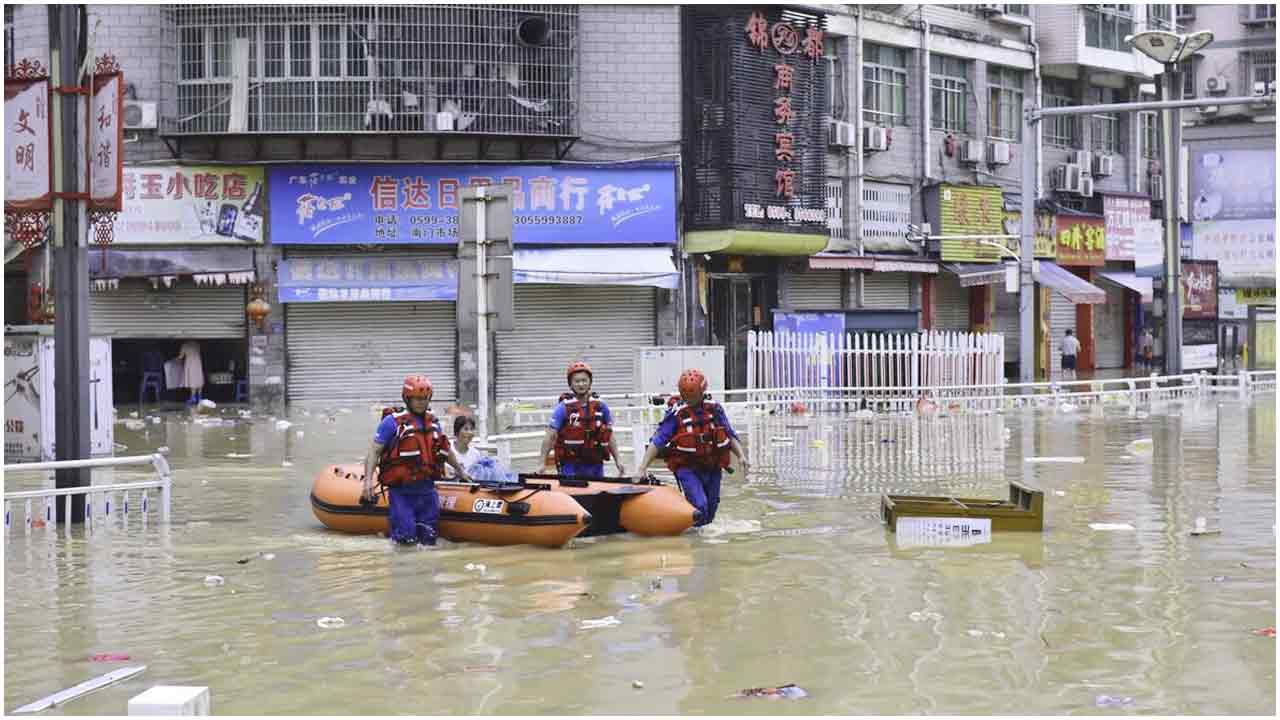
667,428
559,416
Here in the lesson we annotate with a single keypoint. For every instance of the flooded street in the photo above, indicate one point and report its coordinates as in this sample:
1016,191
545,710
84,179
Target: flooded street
797,581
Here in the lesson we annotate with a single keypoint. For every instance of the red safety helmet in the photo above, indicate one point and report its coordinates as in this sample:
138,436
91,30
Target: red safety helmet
417,386
692,384
577,367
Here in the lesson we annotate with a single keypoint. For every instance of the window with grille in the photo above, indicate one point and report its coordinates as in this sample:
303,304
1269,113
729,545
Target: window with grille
949,88
1158,17
1004,89
1020,10
1258,13
1105,127
886,211
1149,134
1262,66
1105,26
493,69
837,107
884,85
1060,131
835,211
1188,71
1185,12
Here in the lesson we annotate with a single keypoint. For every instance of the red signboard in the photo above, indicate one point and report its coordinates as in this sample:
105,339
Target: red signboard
786,40
1081,241
1199,289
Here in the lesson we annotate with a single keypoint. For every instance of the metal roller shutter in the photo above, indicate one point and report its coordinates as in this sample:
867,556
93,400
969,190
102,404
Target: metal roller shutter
886,291
135,310
604,325
951,308
814,290
361,352
1108,327
1007,322
1062,317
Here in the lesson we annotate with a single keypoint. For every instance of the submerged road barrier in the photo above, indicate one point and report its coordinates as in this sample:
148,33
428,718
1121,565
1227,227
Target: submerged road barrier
96,496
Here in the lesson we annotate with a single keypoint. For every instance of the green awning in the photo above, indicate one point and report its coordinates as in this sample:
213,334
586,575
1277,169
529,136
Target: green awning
753,242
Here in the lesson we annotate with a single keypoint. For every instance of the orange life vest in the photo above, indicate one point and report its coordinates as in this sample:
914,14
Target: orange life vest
584,437
699,441
414,454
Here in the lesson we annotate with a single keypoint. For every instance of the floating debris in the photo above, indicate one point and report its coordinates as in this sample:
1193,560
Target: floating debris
331,623
108,657
1141,447
1112,701
790,691
1110,526
637,684
1265,632
604,622
283,425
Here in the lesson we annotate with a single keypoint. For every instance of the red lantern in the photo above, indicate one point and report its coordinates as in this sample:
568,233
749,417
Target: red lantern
258,309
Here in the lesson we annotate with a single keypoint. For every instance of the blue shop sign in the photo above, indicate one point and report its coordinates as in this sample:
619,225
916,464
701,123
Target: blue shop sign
336,279
418,204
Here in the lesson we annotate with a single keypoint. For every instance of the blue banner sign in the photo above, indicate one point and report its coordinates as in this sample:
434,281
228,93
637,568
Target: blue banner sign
418,204
366,279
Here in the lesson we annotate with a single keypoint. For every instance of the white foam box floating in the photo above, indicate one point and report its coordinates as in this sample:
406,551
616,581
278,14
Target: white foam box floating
172,700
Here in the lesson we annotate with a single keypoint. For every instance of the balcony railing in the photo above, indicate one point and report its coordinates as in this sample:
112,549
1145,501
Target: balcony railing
479,69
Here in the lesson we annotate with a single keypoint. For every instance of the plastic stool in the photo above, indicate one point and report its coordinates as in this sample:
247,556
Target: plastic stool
151,381
242,391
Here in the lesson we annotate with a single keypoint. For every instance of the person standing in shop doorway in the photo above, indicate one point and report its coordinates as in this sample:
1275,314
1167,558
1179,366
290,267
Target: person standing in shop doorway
1070,350
192,369
1146,349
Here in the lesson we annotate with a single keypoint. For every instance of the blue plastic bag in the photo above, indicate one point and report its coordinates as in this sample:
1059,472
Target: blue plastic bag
486,471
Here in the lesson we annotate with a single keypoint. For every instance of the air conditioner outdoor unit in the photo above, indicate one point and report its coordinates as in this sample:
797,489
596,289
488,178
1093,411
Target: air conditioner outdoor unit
991,8
998,153
840,133
1086,187
1209,110
1260,88
139,115
875,139
1084,159
1103,165
1066,178
971,151
1217,84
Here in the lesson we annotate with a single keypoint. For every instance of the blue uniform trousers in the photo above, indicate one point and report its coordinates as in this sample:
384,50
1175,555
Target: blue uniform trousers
415,510
583,470
701,487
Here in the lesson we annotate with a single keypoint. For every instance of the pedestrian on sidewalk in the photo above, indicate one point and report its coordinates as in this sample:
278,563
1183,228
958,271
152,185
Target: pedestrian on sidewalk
699,442
581,429
1146,349
1070,351
192,369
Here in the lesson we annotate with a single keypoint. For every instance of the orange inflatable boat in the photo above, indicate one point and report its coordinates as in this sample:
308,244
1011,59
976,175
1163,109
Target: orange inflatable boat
524,513
644,506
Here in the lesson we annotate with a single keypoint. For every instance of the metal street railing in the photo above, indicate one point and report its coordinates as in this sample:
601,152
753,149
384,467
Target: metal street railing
163,483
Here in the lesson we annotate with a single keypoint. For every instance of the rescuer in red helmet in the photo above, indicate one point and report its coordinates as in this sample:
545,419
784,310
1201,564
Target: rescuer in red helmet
581,429
410,451
699,442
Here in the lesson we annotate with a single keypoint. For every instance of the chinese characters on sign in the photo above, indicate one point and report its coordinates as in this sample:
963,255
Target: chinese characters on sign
418,204
28,177
1199,290
1124,217
1245,249
192,205
106,137
1081,241
970,210
342,279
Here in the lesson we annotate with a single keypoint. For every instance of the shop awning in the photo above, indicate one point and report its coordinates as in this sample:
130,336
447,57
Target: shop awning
214,265
651,266
973,274
1076,289
753,242
1140,285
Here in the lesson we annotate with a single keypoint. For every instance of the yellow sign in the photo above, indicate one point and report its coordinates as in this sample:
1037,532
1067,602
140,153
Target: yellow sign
1265,346
1256,296
1046,247
970,210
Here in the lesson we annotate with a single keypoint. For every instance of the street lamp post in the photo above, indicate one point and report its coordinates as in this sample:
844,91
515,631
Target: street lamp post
1169,49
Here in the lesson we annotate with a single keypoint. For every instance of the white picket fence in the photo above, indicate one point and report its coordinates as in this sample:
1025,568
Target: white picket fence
897,366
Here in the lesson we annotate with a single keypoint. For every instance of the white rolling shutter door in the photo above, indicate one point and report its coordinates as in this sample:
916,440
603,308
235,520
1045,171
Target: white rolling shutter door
951,307
361,352
814,290
1108,327
1007,322
605,325
886,291
135,310
1062,317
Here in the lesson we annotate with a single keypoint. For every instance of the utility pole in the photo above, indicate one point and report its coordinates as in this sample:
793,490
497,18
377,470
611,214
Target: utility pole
482,316
1171,121
71,259
1027,286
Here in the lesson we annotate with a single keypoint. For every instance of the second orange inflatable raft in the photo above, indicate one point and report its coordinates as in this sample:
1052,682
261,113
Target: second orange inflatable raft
520,514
